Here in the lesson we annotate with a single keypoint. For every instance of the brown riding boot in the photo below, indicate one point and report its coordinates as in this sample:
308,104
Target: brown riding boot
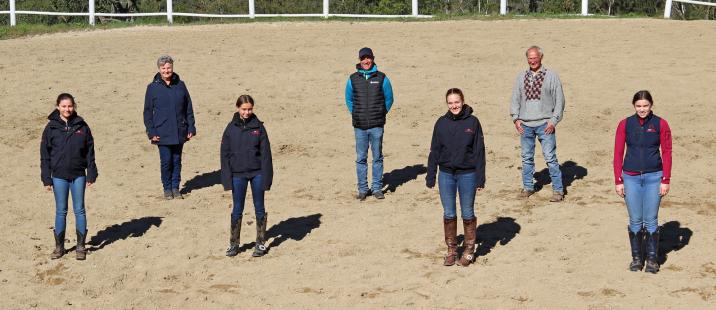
59,245
234,238
468,254
260,249
450,226
81,251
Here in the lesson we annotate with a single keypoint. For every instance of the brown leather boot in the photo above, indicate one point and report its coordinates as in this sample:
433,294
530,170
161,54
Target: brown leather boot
59,245
81,251
468,254
450,227
260,249
234,238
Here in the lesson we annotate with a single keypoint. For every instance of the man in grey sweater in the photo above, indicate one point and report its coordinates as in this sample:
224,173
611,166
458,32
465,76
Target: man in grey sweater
536,108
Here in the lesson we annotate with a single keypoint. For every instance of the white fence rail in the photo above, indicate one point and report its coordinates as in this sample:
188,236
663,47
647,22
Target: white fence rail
252,12
170,13
667,7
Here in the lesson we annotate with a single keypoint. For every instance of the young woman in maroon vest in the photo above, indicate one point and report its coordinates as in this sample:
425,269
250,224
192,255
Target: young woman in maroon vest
642,176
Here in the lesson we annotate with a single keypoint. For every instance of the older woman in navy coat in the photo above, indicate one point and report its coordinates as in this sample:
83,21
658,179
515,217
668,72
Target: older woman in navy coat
169,120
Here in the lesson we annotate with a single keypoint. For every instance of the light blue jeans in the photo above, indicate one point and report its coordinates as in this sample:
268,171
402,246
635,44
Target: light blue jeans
549,151
641,194
372,137
465,185
62,189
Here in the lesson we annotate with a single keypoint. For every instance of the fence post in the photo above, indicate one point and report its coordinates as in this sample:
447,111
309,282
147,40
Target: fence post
325,8
415,7
585,7
503,7
13,21
91,12
667,9
170,10
252,9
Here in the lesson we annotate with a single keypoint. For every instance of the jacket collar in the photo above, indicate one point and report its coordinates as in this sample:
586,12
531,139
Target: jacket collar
158,79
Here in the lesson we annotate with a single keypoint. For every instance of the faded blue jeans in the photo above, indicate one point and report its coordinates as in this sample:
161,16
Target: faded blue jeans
641,194
372,137
464,185
62,189
238,193
170,164
549,151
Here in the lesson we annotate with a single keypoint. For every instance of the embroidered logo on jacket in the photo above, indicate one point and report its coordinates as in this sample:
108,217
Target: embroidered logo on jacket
255,132
469,130
651,128
79,132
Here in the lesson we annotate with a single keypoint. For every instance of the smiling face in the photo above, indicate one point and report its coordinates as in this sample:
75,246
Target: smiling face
534,59
642,108
366,62
246,110
454,103
166,70
66,108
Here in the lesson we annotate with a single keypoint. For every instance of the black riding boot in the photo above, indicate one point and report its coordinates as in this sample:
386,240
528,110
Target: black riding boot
59,245
636,240
652,252
260,249
80,250
233,249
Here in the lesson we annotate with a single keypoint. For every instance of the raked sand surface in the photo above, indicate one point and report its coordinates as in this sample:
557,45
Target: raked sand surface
328,250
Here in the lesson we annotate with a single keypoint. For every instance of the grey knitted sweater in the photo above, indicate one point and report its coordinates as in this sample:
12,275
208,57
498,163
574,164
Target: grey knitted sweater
537,98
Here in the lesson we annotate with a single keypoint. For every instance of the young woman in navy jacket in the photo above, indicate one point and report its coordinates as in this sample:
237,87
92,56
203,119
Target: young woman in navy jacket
67,166
246,159
642,176
458,148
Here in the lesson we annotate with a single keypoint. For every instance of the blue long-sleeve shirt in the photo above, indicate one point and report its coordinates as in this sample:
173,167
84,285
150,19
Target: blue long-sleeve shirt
387,89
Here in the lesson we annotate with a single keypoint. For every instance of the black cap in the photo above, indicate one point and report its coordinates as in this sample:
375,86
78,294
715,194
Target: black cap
365,52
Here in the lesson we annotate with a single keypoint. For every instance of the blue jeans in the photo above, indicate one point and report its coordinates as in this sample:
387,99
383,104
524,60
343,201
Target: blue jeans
62,189
641,194
238,193
170,163
549,151
374,138
463,184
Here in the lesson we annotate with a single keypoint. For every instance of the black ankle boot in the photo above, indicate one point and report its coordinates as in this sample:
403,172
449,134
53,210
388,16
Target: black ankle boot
59,245
636,241
80,250
652,252
260,249
235,233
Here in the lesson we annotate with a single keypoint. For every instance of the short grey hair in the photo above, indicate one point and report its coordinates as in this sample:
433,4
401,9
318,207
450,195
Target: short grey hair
165,59
535,47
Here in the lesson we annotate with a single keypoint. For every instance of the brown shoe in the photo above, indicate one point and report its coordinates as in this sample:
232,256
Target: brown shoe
450,227
556,197
59,245
525,193
468,254
81,251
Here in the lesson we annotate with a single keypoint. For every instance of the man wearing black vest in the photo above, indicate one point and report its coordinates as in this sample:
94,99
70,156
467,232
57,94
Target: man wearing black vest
369,97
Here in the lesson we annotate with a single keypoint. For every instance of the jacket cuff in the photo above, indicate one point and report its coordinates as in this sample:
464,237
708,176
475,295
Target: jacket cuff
665,180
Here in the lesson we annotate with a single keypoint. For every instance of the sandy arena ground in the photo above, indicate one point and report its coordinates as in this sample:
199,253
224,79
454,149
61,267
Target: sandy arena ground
328,250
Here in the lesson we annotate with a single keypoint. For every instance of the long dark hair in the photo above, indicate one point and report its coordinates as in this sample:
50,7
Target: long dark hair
642,95
455,91
244,99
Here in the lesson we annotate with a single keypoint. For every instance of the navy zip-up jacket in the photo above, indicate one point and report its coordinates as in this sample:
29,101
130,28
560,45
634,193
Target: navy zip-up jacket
67,150
457,147
168,112
246,151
